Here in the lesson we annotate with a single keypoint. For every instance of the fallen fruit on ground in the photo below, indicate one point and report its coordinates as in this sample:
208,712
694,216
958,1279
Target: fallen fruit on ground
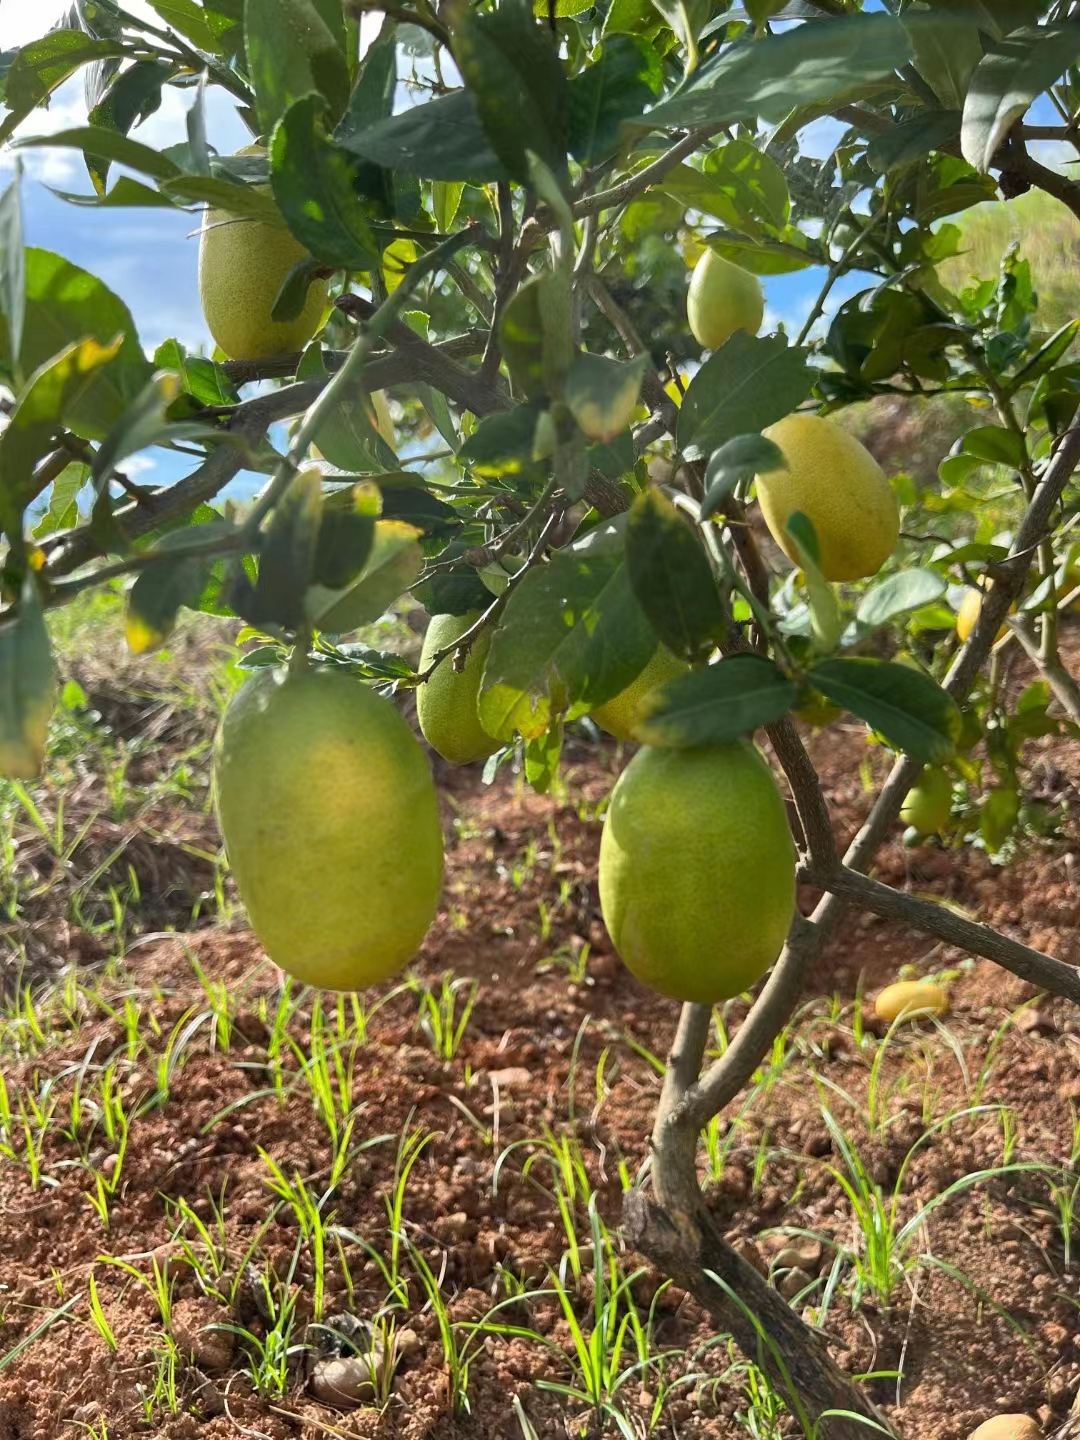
928,804
722,298
1008,1427
685,831
243,264
446,704
911,1000
622,715
834,480
331,825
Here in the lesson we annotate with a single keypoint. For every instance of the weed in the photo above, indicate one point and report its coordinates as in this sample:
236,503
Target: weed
438,1015
98,1319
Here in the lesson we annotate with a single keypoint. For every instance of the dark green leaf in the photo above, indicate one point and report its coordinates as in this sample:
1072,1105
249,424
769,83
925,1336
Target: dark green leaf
738,459
780,254
502,444
291,52
154,601
51,393
512,67
42,66
314,184
206,382
1044,359
133,96
146,422
626,77
672,579
346,533
602,393
896,594
718,703
222,194
349,438
373,98
947,50
125,192
1008,80
108,145
995,445
394,563
442,140
287,555
404,497
912,139
908,709
457,593
12,264
809,64
748,384
571,637
27,687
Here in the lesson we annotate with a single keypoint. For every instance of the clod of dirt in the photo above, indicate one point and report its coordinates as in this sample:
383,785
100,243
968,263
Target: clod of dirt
804,1256
793,1282
407,1343
196,1339
1007,1427
748,1249
347,1381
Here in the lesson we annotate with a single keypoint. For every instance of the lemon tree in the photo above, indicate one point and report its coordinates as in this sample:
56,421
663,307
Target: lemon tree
620,469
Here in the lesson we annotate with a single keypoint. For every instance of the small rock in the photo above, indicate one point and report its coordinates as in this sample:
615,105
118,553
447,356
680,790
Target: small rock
806,1255
196,1339
345,1381
793,1282
454,1229
1007,1427
407,1343
748,1250
513,1075
1035,1022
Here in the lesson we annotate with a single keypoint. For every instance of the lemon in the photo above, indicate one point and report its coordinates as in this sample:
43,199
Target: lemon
331,824
928,804
621,716
243,264
840,487
1007,1427
722,298
446,704
697,870
910,1000
968,614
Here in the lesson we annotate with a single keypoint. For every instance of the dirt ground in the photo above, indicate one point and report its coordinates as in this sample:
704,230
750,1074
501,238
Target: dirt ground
983,1318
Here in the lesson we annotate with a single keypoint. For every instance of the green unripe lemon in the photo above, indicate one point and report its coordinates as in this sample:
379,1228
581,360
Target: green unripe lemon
722,298
620,717
243,264
928,805
331,824
697,870
446,704
837,483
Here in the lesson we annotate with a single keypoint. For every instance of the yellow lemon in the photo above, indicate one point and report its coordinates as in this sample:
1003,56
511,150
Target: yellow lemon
722,298
446,704
969,611
911,1000
835,481
697,870
243,264
331,824
620,717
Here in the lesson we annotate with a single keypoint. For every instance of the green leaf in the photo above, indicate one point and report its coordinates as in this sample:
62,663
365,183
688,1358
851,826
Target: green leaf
291,52
571,637
63,511
1008,80
223,194
896,594
672,579
27,687
748,384
826,621
395,562
145,422
995,445
738,184
287,555
912,139
716,704
998,816
512,68
502,444
96,140
766,78
1047,355
542,758
625,78
781,254
456,593
314,184
205,382
42,67
373,98
132,97
445,199
191,21
602,393
521,337
908,709
442,140
12,263
125,192
947,50
66,304
349,437
738,459
405,497
42,408
346,534
167,584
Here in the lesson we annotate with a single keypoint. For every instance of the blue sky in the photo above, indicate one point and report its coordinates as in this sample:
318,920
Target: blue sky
149,256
